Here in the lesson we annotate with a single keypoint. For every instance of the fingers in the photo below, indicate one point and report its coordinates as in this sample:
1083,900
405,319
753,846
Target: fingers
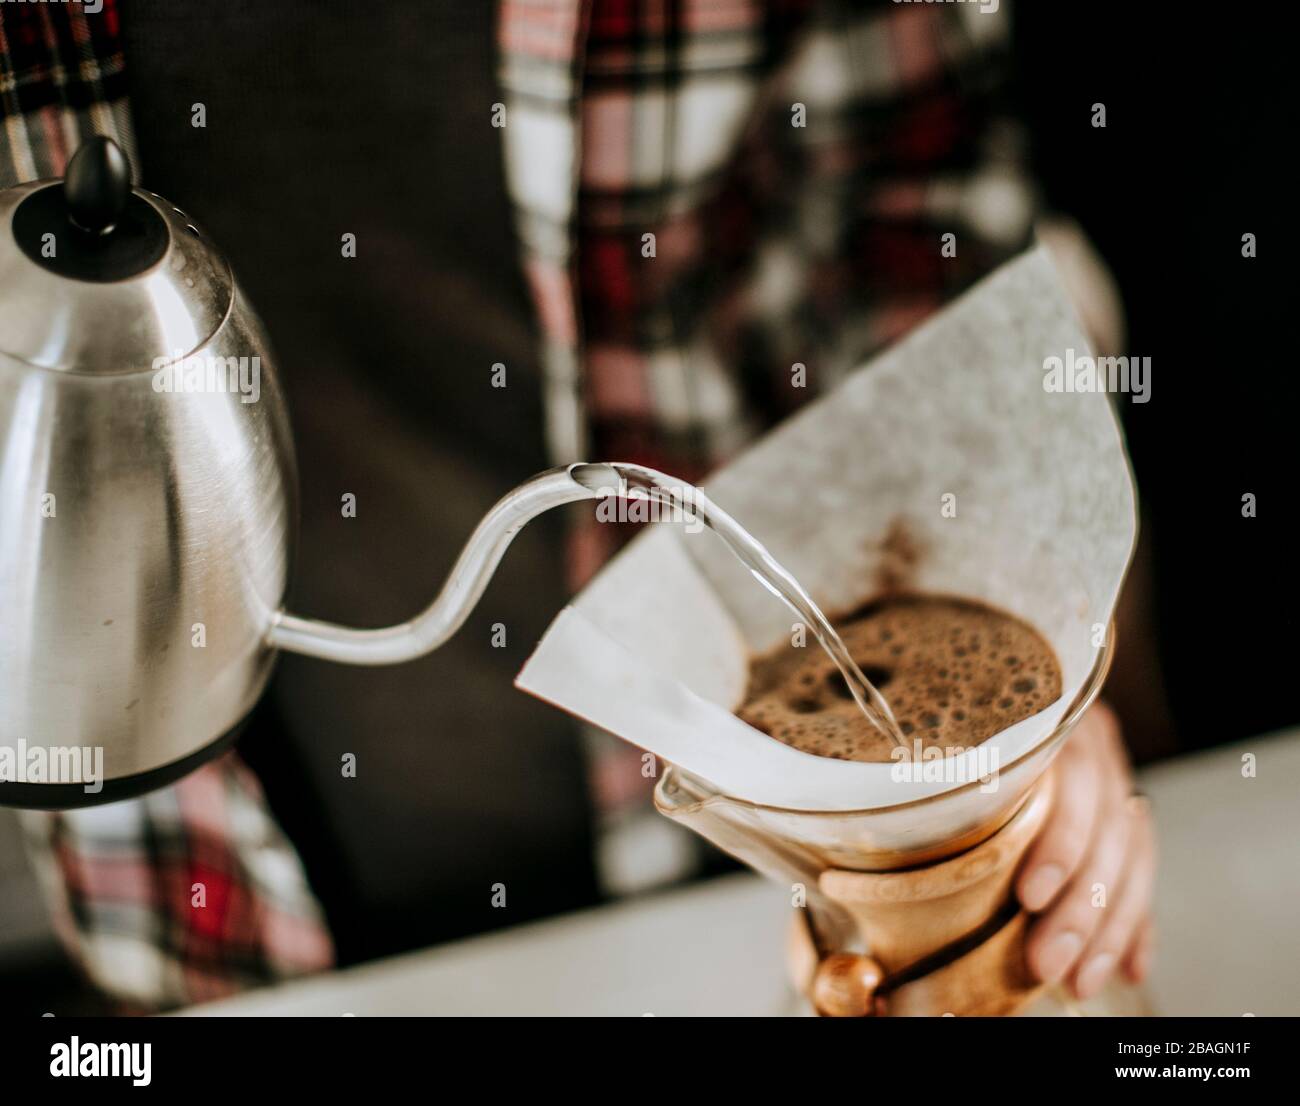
1125,918
1090,872
1137,961
1059,849
1058,938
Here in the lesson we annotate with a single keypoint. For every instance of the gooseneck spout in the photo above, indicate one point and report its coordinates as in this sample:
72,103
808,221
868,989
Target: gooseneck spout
487,545
464,587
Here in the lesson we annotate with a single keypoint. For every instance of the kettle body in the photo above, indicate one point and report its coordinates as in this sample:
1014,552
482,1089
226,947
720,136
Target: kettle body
147,507
148,498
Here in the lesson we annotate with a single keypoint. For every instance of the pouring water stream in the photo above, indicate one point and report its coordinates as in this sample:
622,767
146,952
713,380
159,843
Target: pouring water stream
490,539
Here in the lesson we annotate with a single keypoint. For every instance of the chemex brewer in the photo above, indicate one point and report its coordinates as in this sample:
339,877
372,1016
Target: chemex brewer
969,530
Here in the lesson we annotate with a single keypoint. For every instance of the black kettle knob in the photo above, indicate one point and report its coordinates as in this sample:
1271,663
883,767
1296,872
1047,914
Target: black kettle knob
97,184
91,226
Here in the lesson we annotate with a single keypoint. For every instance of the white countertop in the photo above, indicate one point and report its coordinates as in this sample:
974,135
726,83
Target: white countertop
1228,899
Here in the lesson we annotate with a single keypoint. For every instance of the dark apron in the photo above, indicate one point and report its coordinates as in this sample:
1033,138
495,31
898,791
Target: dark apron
362,119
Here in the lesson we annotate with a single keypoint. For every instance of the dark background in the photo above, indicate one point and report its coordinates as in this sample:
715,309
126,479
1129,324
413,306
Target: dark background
1199,125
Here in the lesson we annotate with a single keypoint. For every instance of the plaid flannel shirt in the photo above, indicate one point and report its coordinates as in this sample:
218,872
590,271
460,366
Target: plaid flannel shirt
721,199
723,207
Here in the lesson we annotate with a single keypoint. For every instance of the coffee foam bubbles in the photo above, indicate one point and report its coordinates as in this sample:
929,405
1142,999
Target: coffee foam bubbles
955,673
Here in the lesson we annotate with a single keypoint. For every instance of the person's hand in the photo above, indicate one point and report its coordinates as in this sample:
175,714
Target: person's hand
1089,874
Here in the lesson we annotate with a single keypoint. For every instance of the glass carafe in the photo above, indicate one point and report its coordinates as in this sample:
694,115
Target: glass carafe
814,851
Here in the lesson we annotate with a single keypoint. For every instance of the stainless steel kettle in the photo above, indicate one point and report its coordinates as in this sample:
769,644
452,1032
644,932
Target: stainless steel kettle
148,498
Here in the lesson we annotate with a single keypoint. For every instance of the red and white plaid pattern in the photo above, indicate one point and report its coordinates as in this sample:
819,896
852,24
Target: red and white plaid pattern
186,895
773,245
62,79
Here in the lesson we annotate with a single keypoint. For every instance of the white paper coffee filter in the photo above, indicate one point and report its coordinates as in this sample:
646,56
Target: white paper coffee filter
1040,522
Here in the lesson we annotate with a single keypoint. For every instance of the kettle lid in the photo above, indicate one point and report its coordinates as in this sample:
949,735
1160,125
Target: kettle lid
98,277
